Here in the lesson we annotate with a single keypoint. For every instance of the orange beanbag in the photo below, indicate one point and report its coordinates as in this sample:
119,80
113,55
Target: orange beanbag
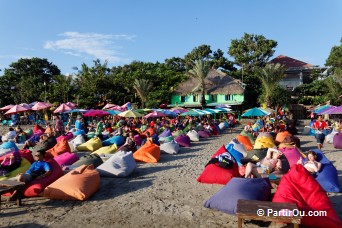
245,141
281,136
149,152
61,147
79,184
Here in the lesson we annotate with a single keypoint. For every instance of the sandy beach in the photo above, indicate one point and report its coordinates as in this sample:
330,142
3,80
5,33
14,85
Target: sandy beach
165,194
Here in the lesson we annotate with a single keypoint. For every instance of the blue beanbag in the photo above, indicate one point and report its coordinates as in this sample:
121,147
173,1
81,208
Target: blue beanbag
327,177
78,132
226,199
165,133
117,140
236,154
8,145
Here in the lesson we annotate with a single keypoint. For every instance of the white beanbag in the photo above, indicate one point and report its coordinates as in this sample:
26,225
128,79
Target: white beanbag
78,140
120,164
236,145
329,138
169,148
222,126
193,135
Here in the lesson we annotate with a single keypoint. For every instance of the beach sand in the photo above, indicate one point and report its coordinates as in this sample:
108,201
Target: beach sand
165,194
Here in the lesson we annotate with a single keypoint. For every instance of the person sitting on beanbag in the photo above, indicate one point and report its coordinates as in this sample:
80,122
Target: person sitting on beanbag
312,165
130,144
270,162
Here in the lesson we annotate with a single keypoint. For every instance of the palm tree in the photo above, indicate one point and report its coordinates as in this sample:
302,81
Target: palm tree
143,87
200,71
270,76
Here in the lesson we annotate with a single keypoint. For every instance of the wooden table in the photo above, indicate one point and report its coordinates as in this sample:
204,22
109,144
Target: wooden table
248,209
9,186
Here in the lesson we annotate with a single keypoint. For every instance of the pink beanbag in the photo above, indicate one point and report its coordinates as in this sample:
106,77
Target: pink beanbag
67,136
183,140
203,134
291,154
337,141
300,187
34,188
66,159
214,174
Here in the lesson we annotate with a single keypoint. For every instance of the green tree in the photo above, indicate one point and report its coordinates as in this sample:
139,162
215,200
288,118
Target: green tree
142,87
200,71
62,89
270,75
278,97
334,61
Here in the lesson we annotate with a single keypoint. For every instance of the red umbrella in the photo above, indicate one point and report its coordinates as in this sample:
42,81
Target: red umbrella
16,109
62,108
155,114
96,112
40,105
7,107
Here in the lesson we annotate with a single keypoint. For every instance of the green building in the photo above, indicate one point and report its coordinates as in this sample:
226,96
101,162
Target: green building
220,89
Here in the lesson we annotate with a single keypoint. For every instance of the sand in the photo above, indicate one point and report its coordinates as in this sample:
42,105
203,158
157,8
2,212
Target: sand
165,194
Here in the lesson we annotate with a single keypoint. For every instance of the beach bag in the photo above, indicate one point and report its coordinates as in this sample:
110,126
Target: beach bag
91,145
106,150
169,148
193,135
90,159
337,141
149,153
121,164
78,184
183,140
300,187
118,140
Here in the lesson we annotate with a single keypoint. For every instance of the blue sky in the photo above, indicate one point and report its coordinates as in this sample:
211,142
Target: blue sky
71,32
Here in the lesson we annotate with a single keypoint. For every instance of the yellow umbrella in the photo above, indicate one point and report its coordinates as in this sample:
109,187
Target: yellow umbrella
130,113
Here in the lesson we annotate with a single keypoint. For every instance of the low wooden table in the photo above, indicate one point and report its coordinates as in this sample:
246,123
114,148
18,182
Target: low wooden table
262,211
9,186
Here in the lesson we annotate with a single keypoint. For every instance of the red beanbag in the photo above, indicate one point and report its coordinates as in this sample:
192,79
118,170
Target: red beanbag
61,147
38,128
149,152
214,174
300,187
67,137
35,187
245,141
25,153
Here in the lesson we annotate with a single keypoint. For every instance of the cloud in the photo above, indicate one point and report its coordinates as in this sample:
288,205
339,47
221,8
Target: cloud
98,46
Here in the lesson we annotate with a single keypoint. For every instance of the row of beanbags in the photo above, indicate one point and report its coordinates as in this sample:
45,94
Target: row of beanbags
214,174
149,153
337,141
299,186
226,199
78,184
90,145
121,164
169,148
327,177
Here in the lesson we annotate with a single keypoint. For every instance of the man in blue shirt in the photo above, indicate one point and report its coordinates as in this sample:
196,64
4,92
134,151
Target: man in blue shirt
38,170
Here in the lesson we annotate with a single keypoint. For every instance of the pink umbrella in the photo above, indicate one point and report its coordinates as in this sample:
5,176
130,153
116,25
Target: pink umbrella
96,112
155,114
25,105
336,110
108,106
178,110
62,108
16,109
71,104
7,107
40,106
117,108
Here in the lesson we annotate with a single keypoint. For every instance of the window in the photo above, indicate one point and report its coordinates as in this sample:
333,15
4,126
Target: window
182,99
227,97
195,98
214,98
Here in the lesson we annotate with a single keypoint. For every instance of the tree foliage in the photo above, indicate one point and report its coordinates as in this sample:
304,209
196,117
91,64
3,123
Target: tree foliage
142,87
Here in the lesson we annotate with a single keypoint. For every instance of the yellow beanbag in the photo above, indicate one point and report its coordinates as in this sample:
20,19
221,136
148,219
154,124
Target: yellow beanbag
149,152
79,184
91,145
106,150
264,142
24,165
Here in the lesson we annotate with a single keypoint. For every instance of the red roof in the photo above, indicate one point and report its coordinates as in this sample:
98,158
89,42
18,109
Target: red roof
289,62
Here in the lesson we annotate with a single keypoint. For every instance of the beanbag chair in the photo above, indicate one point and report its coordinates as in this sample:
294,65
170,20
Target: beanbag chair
177,133
281,136
183,140
337,141
327,177
292,139
222,126
121,164
6,151
236,154
78,140
264,142
203,134
245,141
257,153
169,148
66,159
28,132
249,135
78,184
226,199
292,155
117,140
91,145
193,135
214,174
66,136
137,140
215,131
35,187
299,186
217,128
78,132
90,135
165,133
149,153
24,166
61,147
9,145
38,128
264,134
90,159
330,137
106,150
27,154
166,139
